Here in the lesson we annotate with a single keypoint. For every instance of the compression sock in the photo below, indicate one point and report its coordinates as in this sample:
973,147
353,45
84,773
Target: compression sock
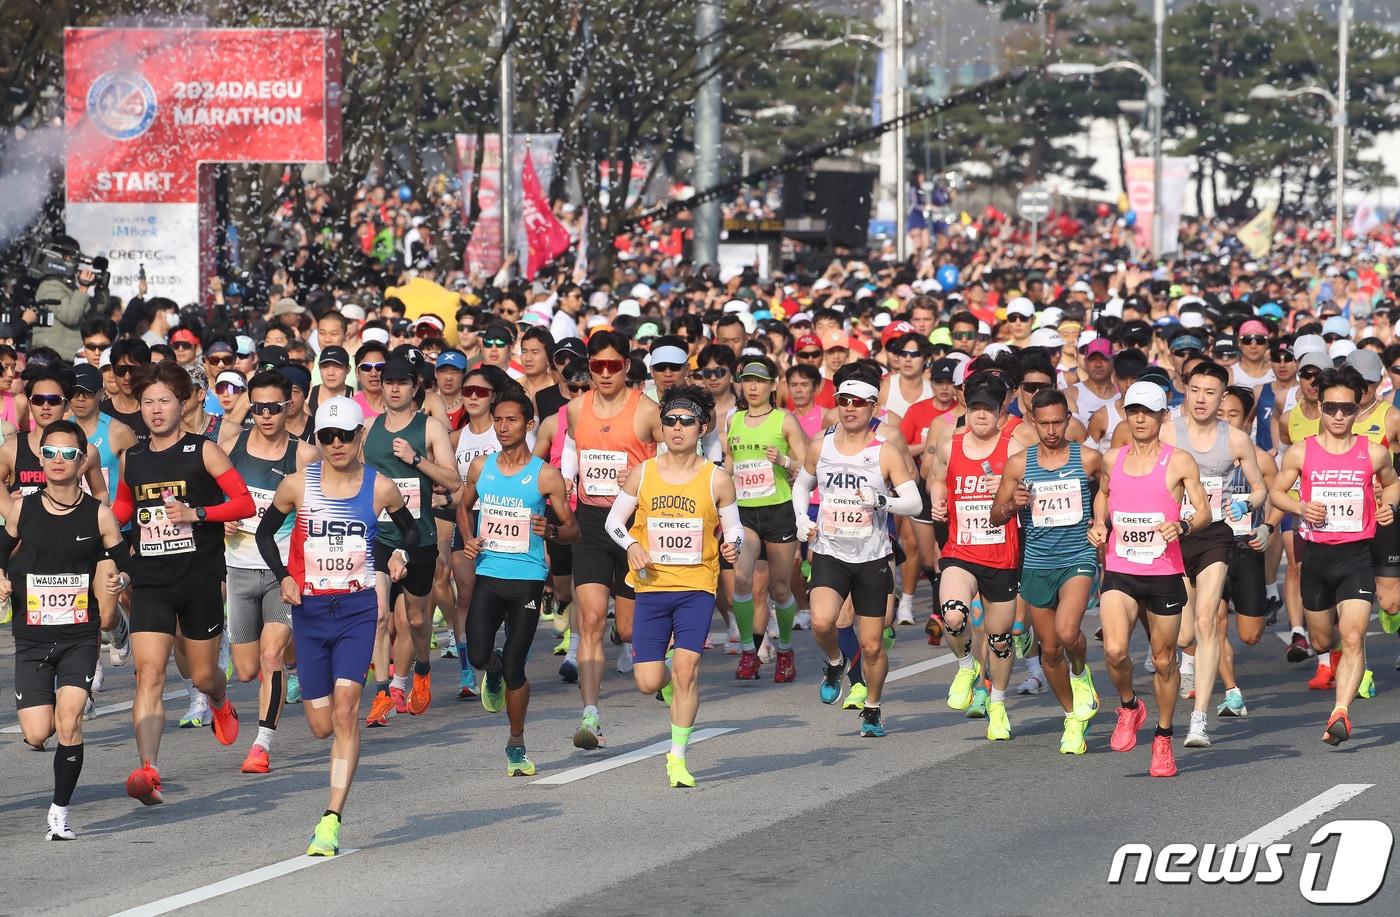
67,765
265,734
785,614
743,618
680,738
268,723
846,639
421,667
462,655
1164,733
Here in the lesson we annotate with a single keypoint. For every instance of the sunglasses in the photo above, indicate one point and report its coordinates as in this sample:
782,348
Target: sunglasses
1284,357
1030,388
270,408
1254,339
964,335
219,361
123,369
179,345
466,327
1018,318
910,354
97,346
579,387
680,420
495,342
717,372
47,401
67,453
1340,408
371,367
477,391
229,388
809,355
666,367
852,401
326,437
1310,375
606,367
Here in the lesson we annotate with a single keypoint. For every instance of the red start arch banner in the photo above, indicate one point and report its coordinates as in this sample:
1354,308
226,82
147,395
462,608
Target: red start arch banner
146,108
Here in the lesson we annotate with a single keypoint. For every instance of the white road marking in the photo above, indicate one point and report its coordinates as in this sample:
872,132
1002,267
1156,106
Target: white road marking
106,710
918,668
214,890
637,754
1309,811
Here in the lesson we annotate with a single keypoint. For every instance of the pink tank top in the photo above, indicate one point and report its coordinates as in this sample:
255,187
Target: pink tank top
1343,484
1137,505
556,445
811,421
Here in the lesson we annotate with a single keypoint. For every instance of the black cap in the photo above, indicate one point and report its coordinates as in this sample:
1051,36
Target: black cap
575,346
87,378
407,352
297,375
942,370
498,331
336,355
272,356
397,369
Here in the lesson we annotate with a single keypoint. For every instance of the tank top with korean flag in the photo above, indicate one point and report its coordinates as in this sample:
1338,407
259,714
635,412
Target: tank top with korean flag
1215,464
1137,506
1055,523
332,546
504,505
847,529
263,477
1342,483
416,487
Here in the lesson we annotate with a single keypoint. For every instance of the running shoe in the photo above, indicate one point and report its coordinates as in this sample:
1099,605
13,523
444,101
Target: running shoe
1367,688
1338,728
438,619
466,684
143,785
998,724
226,723
1130,720
400,698
293,688
1233,704
904,613
831,681
1272,606
568,670
1323,679
731,641
786,669
562,647
960,691
97,677
325,841
449,647
934,628
977,707
1072,738
517,763
119,649
420,696
624,660
803,621
889,639
870,725
1034,684
561,620
225,655
493,690
1188,684
1022,643
1163,760
257,761
855,698
668,691
1298,649
590,733
676,774
613,635
197,715
1389,623
547,607
748,666
433,641
58,827
1086,698
380,709
1195,736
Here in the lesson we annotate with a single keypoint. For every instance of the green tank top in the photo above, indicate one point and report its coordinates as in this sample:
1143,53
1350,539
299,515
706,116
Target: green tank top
757,481
416,487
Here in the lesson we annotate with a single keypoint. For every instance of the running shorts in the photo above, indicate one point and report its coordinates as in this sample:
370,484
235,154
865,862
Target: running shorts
1385,551
1163,594
198,609
597,558
254,600
334,637
1041,588
1333,573
44,666
662,619
1212,544
868,584
993,584
561,559
1244,584
422,564
774,523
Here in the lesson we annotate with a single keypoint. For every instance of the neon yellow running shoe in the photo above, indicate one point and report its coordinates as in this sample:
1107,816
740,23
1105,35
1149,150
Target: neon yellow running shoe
1389,623
998,725
493,690
1086,698
326,841
517,764
855,700
1367,688
960,691
676,773
889,636
562,647
1072,739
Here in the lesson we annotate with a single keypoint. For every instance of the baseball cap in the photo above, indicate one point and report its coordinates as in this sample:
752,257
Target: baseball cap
1368,364
245,346
184,335
755,370
1046,337
297,375
335,355
498,331
894,330
1099,347
1338,350
453,359
1315,359
646,332
287,306
1308,343
989,392
736,305
835,340
339,413
272,356
87,378
1226,347
629,307
942,370
399,369
429,322
1337,325
1185,342
669,354
229,375
1145,394
574,346
1020,306
807,342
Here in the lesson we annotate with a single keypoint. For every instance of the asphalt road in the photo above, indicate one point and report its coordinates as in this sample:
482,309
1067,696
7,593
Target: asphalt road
794,812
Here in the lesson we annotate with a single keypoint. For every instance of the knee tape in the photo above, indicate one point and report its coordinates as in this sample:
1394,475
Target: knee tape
1000,645
957,606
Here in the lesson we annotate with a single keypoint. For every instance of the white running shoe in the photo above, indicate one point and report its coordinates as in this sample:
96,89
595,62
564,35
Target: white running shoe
119,646
1034,684
1188,687
731,641
1196,737
803,621
198,714
448,642
561,620
624,659
97,676
89,711
904,613
58,826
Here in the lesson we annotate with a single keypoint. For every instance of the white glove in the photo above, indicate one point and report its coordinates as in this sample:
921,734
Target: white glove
805,529
868,496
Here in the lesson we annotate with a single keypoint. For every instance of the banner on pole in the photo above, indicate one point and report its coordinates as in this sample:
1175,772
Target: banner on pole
1176,170
1257,236
484,250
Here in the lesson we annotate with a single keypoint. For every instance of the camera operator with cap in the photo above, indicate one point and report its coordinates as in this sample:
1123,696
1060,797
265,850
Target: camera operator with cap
62,301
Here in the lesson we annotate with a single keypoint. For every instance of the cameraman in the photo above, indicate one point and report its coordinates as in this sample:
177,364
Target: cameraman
61,306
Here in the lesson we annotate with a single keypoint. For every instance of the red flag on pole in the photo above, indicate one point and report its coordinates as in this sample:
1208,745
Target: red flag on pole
546,236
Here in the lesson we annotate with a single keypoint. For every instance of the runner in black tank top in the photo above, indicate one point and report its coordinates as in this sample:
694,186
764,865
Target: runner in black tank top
48,392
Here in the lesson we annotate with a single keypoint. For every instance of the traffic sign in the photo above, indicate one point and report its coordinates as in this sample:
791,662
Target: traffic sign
1033,203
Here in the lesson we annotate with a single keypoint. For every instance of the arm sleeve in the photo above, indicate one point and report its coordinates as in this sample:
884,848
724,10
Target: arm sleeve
622,509
120,554
906,501
730,526
124,504
407,526
266,538
802,493
568,460
239,504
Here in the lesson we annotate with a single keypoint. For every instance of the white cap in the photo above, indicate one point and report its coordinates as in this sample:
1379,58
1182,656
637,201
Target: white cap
1185,301
377,335
229,375
1146,394
736,305
729,272
1051,317
629,307
668,353
598,300
1046,337
882,319
800,317
1081,286
339,413
596,321
1338,349
104,360
997,348
984,329
353,312
1192,319
643,292
1020,306
750,323
821,284
1305,344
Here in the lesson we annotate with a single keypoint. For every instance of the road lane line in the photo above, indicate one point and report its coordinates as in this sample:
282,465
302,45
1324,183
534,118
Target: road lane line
918,668
214,890
637,754
107,710
1309,811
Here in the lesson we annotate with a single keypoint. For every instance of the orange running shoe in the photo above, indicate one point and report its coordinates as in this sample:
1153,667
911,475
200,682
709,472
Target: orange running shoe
400,700
380,709
1338,728
422,694
1323,679
143,785
225,723
1163,761
1130,720
257,761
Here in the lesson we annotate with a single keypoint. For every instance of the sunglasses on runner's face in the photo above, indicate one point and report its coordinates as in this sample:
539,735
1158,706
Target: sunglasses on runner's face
327,436
852,401
182,345
229,388
1030,388
964,335
466,327
495,342
1254,339
1340,408
220,361
47,401
126,369
579,387
910,354
67,453
714,372
97,345
270,408
1396,369
666,367
1308,375
680,420
371,367
606,367
476,391
809,355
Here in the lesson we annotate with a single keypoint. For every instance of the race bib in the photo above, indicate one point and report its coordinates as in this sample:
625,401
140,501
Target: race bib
262,499
1215,498
601,472
754,479
844,516
1136,537
504,529
56,598
1344,509
412,491
975,523
159,536
1056,504
336,563
677,542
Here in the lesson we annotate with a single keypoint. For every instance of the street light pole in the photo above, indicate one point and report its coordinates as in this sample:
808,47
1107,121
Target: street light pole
707,134
1340,115
1156,98
507,127
901,194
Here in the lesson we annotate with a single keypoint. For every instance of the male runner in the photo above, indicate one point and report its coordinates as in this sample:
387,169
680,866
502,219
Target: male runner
48,391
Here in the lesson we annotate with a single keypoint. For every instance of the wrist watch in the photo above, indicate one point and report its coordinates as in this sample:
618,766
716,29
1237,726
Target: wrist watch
417,457
402,552
200,512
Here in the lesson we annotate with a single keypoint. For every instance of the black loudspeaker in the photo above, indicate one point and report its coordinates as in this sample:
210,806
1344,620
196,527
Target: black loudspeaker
830,202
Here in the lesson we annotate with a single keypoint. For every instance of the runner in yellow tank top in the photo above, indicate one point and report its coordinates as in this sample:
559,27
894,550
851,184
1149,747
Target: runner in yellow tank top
679,500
